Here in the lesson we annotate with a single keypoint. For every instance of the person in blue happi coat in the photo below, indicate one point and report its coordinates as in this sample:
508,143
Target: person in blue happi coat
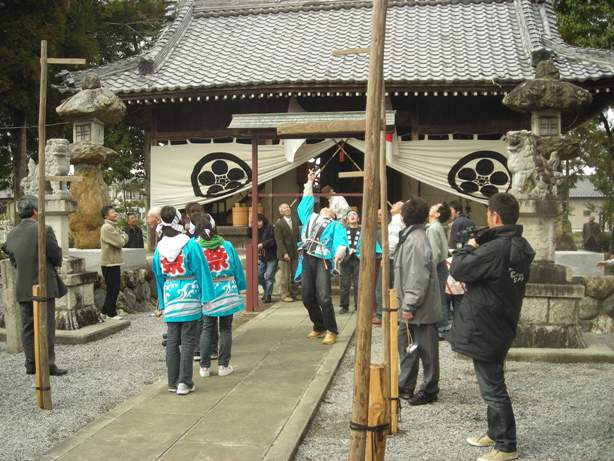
324,243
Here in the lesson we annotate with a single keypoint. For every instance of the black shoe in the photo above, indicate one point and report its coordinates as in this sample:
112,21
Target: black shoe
164,343
422,398
55,371
164,336
267,300
405,395
30,370
343,310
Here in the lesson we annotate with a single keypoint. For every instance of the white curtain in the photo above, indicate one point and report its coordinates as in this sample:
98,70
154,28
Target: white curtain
211,172
473,169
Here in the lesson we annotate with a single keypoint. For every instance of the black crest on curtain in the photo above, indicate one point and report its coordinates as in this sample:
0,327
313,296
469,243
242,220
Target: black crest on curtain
218,174
480,174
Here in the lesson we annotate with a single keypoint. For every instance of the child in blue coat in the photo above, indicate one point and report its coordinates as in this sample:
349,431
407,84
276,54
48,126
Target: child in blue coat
184,285
229,283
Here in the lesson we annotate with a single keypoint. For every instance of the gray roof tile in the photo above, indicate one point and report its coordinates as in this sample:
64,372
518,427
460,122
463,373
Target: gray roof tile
584,188
290,42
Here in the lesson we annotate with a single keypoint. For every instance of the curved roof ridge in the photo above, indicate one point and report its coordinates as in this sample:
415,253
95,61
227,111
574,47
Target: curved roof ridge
218,8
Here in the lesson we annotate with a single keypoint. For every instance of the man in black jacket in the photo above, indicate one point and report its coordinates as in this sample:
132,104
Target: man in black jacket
22,247
495,268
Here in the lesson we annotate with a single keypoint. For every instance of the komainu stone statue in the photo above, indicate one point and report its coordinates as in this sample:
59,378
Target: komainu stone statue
533,176
29,184
57,163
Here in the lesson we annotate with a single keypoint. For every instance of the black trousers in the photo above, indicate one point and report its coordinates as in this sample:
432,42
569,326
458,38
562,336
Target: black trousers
350,270
112,278
500,415
27,332
316,294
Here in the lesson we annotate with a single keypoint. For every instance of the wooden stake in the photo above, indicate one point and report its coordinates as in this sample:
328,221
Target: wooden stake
394,364
360,404
42,365
376,441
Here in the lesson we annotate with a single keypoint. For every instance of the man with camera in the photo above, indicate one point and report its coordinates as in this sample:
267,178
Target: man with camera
495,268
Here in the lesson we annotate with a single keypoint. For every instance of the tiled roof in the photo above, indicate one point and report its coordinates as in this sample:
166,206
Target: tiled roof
238,44
584,189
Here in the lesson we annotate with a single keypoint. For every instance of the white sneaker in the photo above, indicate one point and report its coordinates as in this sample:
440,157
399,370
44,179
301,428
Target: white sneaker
224,371
183,389
117,317
204,372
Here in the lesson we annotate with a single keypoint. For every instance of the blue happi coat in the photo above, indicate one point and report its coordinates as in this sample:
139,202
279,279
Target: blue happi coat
184,284
332,238
228,280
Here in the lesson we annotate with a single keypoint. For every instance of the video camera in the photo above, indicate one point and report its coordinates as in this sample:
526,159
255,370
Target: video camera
471,232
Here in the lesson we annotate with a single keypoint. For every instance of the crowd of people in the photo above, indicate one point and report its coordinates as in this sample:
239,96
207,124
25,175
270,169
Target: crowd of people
465,286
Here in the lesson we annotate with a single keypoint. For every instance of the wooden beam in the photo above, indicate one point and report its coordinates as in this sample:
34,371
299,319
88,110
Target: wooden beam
70,61
350,51
378,414
366,298
351,174
326,129
75,178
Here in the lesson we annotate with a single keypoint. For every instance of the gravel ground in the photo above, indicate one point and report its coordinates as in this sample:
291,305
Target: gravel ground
563,412
101,375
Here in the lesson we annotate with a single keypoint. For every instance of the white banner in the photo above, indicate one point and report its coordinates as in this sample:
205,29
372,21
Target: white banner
211,172
474,169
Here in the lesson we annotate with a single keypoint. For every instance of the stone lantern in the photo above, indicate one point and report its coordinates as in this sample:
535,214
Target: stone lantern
549,313
89,110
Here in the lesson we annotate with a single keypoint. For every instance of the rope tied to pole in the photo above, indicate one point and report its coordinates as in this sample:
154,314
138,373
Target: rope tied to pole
365,428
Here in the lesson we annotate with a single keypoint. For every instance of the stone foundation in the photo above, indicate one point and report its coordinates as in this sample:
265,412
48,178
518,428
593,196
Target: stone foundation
76,309
596,309
137,291
549,316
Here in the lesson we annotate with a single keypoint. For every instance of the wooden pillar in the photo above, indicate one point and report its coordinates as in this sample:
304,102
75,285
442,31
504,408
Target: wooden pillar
42,365
252,285
394,367
360,404
378,416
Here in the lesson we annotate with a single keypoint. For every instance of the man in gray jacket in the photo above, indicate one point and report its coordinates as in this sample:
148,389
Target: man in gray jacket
22,247
417,287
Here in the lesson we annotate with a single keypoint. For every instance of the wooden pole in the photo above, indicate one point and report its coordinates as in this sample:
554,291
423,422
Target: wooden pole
376,441
394,363
385,272
42,366
366,298
252,298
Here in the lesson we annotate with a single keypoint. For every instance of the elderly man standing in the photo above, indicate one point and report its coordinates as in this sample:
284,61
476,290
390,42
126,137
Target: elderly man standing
22,247
286,238
417,286
152,219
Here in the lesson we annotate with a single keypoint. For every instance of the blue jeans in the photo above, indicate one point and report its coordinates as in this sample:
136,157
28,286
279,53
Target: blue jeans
207,345
266,276
500,415
179,359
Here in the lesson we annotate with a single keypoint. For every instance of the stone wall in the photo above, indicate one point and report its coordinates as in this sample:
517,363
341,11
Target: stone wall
549,316
596,309
137,291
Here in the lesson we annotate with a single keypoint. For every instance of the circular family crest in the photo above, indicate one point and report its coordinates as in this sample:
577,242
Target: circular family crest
219,173
480,174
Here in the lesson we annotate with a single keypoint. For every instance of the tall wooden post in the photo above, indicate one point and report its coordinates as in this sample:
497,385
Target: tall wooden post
360,404
394,367
252,295
42,367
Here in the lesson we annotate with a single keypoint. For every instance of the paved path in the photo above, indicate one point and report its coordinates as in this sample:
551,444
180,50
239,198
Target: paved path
258,412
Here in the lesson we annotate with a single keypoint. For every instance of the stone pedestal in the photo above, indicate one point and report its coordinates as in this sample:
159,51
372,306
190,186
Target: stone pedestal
549,317
12,312
56,216
76,309
134,258
538,218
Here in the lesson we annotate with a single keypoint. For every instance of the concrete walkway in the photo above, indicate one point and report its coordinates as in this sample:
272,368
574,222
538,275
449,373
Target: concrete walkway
259,412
